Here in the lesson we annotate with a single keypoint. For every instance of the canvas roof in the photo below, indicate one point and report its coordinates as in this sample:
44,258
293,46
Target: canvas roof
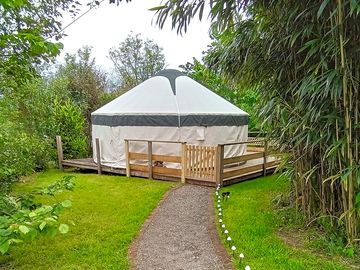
170,98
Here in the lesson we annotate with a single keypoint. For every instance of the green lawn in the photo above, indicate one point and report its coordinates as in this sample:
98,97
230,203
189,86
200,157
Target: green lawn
108,212
253,226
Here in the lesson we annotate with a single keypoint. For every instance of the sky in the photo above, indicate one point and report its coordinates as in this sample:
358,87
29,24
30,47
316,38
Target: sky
107,25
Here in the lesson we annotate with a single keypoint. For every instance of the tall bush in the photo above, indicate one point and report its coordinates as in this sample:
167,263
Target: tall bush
69,122
20,153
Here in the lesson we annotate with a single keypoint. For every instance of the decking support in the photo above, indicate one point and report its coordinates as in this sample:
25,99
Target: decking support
98,155
150,160
264,158
59,151
220,165
183,163
127,157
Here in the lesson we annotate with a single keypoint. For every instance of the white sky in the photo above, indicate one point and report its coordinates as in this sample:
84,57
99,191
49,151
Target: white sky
107,25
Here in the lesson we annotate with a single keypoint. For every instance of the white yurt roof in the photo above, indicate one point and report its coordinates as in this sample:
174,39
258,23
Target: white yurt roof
170,98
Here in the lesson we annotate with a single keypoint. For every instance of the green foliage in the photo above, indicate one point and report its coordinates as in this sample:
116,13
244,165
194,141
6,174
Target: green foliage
108,211
27,105
20,153
69,123
28,25
136,60
30,117
82,81
223,13
29,35
23,219
245,99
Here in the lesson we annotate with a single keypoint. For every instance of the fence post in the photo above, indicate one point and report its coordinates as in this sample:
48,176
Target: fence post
150,162
264,157
98,155
219,164
127,158
183,162
59,151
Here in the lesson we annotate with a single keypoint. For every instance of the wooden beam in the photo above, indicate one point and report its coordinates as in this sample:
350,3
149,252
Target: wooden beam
138,156
141,168
219,165
142,156
173,159
167,171
183,162
243,158
251,148
273,163
264,157
135,140
98,155
59,151
240,172
150,162
127,158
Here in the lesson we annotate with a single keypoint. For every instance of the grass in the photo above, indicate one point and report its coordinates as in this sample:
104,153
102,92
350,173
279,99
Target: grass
108,212
253,226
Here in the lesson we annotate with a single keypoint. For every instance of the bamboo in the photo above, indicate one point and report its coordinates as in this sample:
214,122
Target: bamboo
349,185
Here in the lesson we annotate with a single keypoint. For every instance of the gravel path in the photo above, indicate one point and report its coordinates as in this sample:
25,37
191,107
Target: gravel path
180,234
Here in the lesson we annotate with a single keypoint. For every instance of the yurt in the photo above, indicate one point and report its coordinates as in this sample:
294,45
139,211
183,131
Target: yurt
169,106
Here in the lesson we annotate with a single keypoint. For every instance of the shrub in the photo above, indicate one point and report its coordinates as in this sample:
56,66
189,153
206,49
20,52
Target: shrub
69,123
21,153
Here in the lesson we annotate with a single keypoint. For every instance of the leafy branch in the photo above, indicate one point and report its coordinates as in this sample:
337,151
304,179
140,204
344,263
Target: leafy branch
22,218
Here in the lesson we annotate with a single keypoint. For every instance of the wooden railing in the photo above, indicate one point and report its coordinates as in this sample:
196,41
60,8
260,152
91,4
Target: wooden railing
150,158
257,157
194,162
206,163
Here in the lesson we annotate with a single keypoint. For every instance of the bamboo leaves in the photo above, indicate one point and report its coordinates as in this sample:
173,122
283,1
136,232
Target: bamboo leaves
322,7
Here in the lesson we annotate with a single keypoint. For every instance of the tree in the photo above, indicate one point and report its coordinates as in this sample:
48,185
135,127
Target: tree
85,83
28,34
303,59
136,60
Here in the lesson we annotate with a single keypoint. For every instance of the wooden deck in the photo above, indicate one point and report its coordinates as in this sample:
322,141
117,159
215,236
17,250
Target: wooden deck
202,165
249,170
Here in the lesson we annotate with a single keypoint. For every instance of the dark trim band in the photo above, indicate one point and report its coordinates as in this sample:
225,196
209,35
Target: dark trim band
170,120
